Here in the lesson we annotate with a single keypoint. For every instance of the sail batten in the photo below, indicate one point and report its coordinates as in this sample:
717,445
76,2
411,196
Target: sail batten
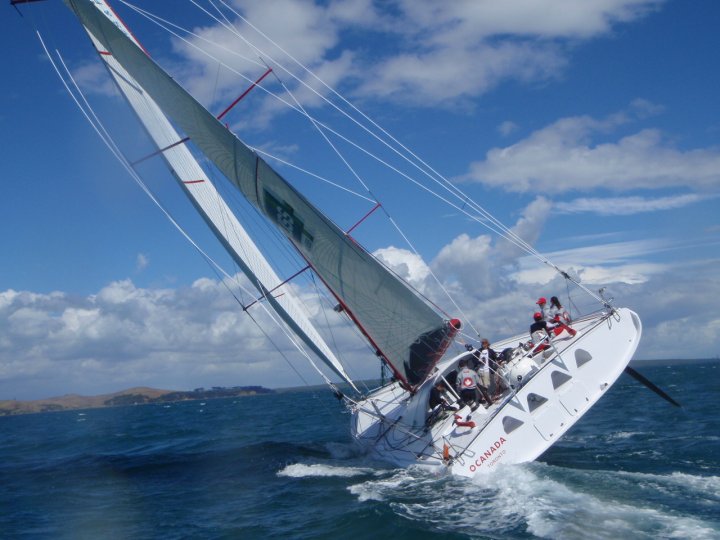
410,334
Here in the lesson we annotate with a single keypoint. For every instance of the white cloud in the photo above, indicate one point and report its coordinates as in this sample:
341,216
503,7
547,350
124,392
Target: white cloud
469,21
305,30
406,264
599,264
507,127
127,336
571,155
421,78
476,45
141,262
93,79
466,259
620,206
631,273
479,44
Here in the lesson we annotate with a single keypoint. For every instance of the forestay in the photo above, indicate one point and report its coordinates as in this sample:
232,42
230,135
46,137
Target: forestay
408,333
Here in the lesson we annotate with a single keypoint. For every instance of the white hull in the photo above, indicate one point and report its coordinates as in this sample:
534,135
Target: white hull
558,387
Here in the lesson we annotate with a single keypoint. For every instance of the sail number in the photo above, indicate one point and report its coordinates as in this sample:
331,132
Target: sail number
284,215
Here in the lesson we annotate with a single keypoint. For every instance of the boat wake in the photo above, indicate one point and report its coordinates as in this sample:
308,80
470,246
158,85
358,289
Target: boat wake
552,502
301,470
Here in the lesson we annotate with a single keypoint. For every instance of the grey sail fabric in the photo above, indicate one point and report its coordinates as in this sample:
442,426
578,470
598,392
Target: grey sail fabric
406,331
212,207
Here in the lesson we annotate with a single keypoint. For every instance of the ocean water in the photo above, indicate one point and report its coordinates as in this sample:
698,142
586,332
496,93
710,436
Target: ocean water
284,466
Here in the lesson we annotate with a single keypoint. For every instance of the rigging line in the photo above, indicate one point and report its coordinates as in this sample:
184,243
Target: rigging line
499,228
473,217
508,234
385,132
329,142
290,336
309,87
156,19
309,173
112,146
450,187
323,297
439,179
302,351
367,188
276,287
104,135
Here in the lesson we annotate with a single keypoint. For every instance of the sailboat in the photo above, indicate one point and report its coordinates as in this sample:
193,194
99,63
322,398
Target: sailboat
547,382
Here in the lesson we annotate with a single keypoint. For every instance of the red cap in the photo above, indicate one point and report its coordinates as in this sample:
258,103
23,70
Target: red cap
541,300
537,316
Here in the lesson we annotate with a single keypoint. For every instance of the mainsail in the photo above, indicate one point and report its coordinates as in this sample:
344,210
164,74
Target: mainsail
211,205
407,333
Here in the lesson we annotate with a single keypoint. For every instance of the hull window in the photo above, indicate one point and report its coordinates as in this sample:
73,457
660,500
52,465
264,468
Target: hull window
582,357
535,401
559,378
510,424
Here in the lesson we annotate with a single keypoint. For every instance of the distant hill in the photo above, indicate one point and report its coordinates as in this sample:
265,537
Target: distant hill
131,396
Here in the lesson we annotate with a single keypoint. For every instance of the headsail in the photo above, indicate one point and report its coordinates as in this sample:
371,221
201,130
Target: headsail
211,205
408,333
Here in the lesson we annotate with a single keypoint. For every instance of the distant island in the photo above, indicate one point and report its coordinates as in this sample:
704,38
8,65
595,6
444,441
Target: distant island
131,396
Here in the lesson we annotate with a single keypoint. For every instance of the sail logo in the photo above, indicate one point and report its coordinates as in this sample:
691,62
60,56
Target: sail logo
492,454
284,216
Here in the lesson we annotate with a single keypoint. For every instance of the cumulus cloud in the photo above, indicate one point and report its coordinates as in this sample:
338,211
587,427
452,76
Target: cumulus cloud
479,44
421,78
476,45
406,264
573,154
476,275
127,336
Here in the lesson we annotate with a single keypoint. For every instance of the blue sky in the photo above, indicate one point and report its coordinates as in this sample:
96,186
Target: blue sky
590,127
